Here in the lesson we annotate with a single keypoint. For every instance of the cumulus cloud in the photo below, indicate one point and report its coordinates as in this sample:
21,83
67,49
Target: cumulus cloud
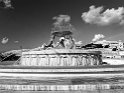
7,3
4,40
61,18
97,37
96,15
79,43
16,41
62,22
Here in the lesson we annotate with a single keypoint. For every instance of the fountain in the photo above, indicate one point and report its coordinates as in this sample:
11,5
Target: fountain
60,66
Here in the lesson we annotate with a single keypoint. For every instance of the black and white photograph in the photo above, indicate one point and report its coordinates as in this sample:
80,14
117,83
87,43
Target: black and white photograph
61,46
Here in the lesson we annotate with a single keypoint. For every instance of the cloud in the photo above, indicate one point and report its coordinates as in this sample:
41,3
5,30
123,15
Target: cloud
62,22
61,18
97,37
96,15
4,40
16,41
7,3
79,43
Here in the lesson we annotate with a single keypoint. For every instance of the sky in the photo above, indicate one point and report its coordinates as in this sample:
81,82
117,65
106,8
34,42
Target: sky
28,24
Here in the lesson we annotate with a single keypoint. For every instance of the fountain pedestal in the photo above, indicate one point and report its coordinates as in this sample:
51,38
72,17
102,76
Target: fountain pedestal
61,57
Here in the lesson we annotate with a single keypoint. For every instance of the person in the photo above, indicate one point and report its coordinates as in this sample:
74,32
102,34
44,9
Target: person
61,42
66,42
50,43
